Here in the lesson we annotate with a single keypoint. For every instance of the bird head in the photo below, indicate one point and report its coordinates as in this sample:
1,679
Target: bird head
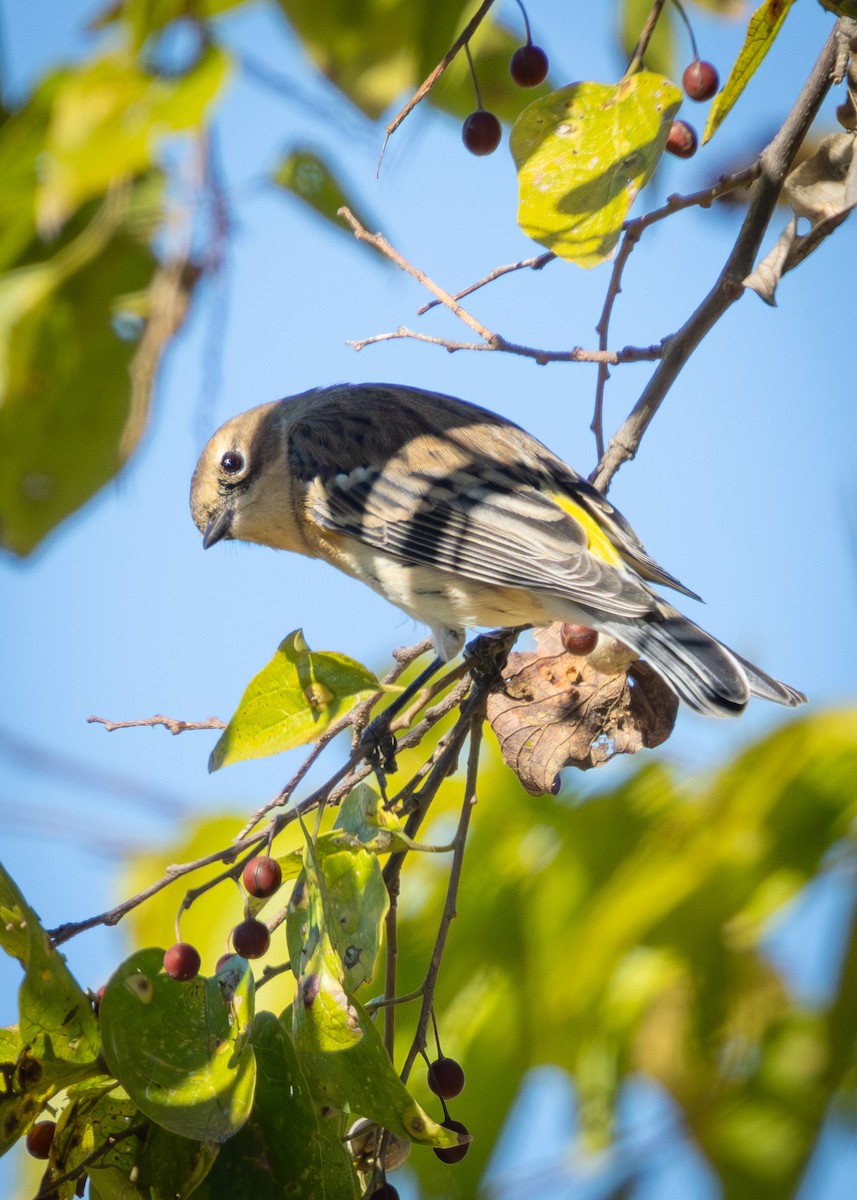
237,483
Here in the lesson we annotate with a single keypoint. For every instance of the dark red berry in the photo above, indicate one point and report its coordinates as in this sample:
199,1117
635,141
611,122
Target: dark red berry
40,1138
529,66
182,961
385,1192
481,132
578,639
682,140
700,80
453,1154
262,876
446,1078
251,938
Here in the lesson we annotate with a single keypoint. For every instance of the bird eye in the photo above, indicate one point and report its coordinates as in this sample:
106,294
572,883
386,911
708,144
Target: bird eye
232,462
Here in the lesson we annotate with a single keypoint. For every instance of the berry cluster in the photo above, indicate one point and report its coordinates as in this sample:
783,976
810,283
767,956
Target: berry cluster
481,131
446,1080
251,938
700,81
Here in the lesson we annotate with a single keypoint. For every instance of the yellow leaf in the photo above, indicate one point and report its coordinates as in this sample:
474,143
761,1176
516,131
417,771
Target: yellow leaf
583,153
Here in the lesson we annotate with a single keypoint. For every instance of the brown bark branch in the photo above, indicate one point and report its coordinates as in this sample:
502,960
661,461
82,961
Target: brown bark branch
774,164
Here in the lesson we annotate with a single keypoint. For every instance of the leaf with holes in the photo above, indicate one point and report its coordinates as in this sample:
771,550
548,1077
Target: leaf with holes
180,1049
583,153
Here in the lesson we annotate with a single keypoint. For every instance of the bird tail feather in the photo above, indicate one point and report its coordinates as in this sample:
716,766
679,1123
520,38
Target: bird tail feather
707,675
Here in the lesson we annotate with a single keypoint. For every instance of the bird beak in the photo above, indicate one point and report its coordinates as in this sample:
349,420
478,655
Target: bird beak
217,528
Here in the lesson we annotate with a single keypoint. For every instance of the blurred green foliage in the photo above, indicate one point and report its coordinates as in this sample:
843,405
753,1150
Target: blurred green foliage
619,936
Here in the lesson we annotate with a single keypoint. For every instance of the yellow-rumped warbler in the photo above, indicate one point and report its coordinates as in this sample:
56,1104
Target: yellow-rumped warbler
461,519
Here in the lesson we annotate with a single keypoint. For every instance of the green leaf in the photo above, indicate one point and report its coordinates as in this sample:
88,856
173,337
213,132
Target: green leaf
180,1049
363,814
377,52
170,1167
765,24
57,1041
95,1113
360,1079
145,17
22,138
61,423
306,175
285,1151
291,701
355,902
323,1017
107,122
583,153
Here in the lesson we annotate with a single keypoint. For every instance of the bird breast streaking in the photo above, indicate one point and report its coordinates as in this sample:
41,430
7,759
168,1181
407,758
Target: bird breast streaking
460,518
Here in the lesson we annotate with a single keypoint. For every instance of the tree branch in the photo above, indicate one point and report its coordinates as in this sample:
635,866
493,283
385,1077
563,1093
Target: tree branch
491,340
774,164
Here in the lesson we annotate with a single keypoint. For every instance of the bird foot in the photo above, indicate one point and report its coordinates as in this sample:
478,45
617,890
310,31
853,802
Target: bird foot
378,745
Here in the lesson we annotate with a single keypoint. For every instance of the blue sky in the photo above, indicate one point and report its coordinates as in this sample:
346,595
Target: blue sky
744,486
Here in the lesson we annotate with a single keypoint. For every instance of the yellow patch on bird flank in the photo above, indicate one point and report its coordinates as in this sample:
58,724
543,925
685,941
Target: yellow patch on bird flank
597,540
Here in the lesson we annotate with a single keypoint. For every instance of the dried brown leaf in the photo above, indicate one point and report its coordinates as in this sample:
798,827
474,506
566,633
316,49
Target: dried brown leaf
557,710
823,189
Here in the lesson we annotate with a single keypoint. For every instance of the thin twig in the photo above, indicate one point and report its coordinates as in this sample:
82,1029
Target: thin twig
170,723
629,241
633,232
703,198
113,916
428,83
380,243
51,1187
391,960
233,872
285,794
449,908
492,340
535,264
577,354
645,37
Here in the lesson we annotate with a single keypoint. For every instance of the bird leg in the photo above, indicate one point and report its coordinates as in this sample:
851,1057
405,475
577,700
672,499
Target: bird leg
377,742
485,657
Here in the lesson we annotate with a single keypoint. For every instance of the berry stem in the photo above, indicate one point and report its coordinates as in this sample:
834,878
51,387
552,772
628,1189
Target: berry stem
436,1033
473,74
526,22
680,7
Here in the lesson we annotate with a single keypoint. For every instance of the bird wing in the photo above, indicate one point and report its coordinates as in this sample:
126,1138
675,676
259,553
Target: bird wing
378,423
485,526
621,534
